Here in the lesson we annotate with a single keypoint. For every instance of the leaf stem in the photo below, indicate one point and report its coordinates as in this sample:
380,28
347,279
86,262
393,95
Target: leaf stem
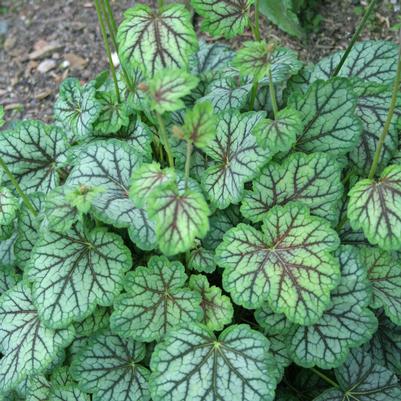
113,30
166,143
393,104
112,27
325,378
355,37
256,31
161,3
254,92
273,95
188,162
17,187
107,48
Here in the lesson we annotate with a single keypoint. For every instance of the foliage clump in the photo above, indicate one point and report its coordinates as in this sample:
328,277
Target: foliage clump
206,224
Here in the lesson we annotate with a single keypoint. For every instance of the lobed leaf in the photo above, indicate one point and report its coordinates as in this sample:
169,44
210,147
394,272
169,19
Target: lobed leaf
279,134
77,108
168,87
328,114
371,61
384,273
156,301
375,207
179,216
288,263
9,206
28,346
223,18
34,152
313,180
362,380
236,158
191,364
156,39
217,308
109,368
109,165
74,272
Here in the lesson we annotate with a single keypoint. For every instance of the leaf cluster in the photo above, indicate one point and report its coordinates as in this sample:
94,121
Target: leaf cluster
210,233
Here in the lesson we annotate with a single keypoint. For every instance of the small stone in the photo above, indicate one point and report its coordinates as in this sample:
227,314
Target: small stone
76,62
46,66
45,50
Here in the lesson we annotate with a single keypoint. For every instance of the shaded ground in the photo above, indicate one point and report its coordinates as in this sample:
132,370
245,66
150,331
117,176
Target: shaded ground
43,41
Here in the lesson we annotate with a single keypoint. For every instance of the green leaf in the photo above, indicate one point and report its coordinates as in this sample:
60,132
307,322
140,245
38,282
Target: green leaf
223,18
217,308
139,136
236,158
168,87
6,231
227,92
27,345
375,207
371,61
328,114
59,213
109,165
348,323
220,222
202,260
28,228
384,273
68,393
157,39
282,14
279,135
7,254
9,206
253,59
114,115
372,109
200,125
77,108
313,180
385,346
284,63
191,363
8,278
74,272
34,152
88,327
109,367
288,264
210,60
156,300
148,178
362,380
179,216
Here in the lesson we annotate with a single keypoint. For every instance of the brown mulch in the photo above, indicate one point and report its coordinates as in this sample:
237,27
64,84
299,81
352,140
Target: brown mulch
47,40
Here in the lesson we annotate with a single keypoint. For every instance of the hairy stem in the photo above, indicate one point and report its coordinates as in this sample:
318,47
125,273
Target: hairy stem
107,48
325,378
111,26
273,95
17,187
188,162
256,31
166,143
110,16
390,114
254,92
355,37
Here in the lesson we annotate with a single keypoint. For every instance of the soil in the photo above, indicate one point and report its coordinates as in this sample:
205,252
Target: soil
44,41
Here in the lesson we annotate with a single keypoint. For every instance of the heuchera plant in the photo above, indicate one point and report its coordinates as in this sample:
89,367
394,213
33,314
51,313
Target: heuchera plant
206,224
